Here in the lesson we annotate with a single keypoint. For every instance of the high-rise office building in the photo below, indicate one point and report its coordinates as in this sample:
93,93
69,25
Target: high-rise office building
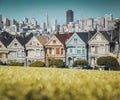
34,22
47,21
12,22
108,18
6,22
101,23
69,16
25,20
90,23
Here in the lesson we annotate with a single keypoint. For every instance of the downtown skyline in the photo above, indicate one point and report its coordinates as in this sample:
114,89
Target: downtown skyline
56,9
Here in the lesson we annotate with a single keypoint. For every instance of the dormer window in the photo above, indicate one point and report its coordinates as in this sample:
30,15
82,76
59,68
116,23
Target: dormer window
75,40
98,38
54,41
15,44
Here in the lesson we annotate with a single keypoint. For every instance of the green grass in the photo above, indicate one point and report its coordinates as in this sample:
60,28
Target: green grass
20,83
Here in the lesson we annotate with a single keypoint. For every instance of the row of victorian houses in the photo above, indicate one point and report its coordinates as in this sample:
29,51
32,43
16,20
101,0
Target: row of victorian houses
67,47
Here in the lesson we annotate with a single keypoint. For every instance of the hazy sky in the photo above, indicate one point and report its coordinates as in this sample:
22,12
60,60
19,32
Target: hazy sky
19,9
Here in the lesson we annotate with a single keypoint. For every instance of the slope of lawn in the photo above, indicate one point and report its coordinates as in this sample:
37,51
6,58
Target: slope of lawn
21,83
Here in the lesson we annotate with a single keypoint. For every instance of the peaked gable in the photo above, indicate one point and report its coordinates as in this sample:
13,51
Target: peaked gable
74,39
6,41
34,42
15,44
2,46
100,37
63,37
54,41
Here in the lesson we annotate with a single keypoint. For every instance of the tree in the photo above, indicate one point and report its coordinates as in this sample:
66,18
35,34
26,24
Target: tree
80,62
37,64
108,62
57,63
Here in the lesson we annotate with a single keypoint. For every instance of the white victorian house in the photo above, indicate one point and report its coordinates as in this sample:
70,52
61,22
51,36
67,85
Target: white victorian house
99,45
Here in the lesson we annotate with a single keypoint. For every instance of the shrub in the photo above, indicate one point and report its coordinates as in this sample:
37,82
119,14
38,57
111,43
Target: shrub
1,63
15,64
108,61
80,62
57,63
37,64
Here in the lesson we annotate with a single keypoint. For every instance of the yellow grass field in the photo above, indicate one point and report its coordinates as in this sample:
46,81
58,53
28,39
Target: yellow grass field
20,83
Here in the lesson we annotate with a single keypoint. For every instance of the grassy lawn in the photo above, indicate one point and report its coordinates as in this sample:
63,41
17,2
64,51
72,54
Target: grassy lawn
21,83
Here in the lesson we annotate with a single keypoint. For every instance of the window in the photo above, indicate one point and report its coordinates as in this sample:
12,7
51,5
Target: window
92,49
57,50
54,41
83,51
61,50
79,51
13,54
70,50
75,40
98,38
33,42
0,46
19,54
15,44
53,51
101,49
0,55
37,52
50,50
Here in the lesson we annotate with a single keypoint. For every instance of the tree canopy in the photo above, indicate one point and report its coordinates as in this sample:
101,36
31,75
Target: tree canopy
80,62
56,63
108,61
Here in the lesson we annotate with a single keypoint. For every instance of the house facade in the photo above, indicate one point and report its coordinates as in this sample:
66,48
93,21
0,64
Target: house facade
35,49
17,49
55,47
98,46
3,49
76,48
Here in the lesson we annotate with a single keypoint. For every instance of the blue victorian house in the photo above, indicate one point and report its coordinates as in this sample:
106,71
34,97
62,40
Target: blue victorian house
76,47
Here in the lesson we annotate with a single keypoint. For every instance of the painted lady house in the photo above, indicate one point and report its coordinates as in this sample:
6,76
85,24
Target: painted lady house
99,45
17,49
55,47
35,49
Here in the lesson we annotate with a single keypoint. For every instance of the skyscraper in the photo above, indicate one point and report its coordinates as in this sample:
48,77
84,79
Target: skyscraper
108,18
25,20
47,21
69,16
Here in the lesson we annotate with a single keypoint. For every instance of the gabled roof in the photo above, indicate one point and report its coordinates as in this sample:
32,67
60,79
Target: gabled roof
83,36
6,41
63,37
43,39
106,35
24,40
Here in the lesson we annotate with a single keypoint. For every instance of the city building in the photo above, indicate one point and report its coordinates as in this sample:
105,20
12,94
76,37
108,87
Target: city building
25,20
108,18
100,24
76,48
90,24
99,45
35,49
55,47
69,16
